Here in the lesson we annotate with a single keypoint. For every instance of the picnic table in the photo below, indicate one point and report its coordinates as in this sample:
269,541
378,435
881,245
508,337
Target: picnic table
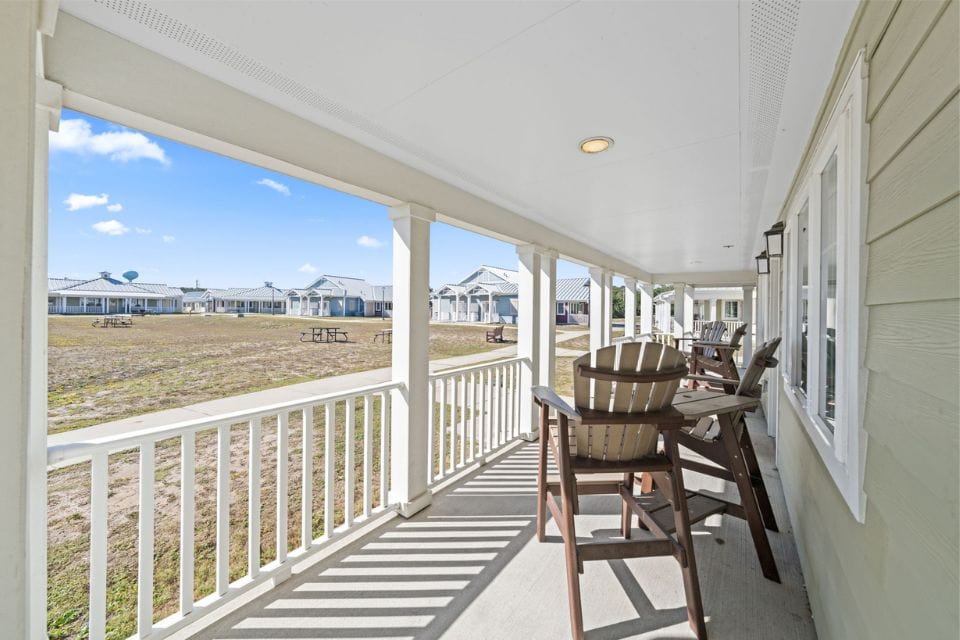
120,320
386,335
323,334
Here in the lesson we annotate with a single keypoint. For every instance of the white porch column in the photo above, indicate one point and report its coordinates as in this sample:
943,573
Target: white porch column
411,341
469,304
679,302
548,317
489,306
629,307
28,106
748,319
528,334
456,308
596,308
646,308
607,308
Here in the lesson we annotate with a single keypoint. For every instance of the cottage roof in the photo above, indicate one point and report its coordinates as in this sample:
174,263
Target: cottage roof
111,287
573,290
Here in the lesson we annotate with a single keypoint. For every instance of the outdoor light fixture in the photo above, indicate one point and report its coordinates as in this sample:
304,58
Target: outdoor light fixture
763,264
597,144
774,236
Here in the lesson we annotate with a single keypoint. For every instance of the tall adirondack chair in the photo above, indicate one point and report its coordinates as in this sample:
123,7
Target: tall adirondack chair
717,357
623,405
725,441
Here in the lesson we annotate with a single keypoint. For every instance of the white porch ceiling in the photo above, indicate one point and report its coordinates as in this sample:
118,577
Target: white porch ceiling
710,103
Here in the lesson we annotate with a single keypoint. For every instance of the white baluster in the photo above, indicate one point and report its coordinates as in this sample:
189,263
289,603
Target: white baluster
431,392
349,473
330,420
283,482
187,507
473,415
145,547
367,455
453,423
385,447
223,508
442,434
98,545
306,484
253,501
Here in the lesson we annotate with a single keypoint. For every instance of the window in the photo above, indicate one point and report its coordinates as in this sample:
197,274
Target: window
825,241
560,309
731,309
388,306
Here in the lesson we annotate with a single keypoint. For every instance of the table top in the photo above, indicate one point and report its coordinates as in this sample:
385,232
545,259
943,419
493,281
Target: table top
700,403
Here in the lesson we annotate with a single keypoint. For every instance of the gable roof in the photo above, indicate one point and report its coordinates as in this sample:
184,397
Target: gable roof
573,290
110,286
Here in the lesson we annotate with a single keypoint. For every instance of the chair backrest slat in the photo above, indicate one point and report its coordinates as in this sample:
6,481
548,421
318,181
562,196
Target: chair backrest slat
712,332
623,393
762,360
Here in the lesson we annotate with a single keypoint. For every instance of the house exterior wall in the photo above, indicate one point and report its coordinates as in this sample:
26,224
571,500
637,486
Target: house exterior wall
895,574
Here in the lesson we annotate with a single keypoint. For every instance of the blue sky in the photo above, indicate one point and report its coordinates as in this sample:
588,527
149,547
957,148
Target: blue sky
121,199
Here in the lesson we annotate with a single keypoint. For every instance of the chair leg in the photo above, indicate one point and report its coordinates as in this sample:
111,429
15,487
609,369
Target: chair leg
573,565
748,498
681,517
542,476
756,477
626,511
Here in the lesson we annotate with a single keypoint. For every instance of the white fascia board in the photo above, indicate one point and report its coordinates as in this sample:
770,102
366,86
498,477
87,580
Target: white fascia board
112,78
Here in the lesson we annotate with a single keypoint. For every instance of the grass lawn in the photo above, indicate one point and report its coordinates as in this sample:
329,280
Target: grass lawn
163,362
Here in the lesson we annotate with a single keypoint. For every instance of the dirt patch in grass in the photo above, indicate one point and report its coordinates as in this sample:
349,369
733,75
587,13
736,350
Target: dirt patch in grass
163,362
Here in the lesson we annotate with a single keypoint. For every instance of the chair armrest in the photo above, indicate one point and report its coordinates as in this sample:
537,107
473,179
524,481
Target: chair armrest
712,379
684,338
546,397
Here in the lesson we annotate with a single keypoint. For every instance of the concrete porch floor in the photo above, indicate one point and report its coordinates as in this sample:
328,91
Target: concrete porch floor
470,567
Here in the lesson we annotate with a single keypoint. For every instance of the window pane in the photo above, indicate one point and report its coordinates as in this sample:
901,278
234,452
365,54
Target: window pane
828,292
803,294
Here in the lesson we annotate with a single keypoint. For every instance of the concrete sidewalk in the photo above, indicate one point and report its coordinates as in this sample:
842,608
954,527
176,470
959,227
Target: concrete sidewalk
287,393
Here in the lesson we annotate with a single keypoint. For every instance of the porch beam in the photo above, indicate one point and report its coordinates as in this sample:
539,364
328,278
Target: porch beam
629,307
528,333
411,341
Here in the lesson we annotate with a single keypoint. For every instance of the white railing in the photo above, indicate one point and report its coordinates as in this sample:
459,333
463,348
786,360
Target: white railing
366,411
731,326
474,411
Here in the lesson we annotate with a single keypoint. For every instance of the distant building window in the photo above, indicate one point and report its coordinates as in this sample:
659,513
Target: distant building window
560,310
731,309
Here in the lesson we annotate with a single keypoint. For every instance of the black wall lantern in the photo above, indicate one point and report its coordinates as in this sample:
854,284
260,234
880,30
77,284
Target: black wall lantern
774,237
763,264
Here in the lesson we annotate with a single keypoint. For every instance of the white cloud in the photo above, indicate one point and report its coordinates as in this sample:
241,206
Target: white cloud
114,208
276,186
168,239
307,268
111,227
369,242
142,231
122,146
77,201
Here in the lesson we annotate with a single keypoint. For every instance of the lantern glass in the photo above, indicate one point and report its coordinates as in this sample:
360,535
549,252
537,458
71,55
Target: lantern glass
763,264
774,237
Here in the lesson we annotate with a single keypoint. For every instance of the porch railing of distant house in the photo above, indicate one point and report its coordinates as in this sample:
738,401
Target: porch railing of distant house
370,408
474,411
730,324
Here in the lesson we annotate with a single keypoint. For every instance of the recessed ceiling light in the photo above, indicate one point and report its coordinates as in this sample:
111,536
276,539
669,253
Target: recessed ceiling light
597,144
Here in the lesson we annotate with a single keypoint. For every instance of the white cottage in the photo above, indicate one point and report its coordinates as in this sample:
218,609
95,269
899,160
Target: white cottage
105,294
490,294
340,296
709,304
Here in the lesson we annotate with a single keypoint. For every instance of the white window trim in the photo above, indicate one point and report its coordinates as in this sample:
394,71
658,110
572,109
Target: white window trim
844,450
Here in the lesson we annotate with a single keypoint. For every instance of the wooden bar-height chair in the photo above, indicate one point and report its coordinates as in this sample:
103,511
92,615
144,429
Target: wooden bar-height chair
724,440
711,355
610,436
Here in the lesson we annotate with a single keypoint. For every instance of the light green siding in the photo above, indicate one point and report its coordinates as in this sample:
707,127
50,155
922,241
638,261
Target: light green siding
896,575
